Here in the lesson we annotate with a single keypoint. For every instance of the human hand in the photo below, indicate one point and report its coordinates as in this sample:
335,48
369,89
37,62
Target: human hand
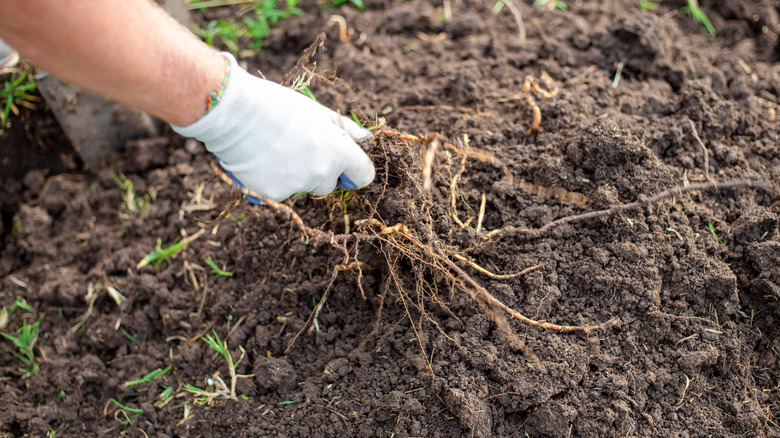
277,142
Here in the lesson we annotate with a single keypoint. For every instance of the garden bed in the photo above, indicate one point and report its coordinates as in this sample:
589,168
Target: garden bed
683,292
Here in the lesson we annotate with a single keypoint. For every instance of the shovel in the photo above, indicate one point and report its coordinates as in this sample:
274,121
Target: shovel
96,126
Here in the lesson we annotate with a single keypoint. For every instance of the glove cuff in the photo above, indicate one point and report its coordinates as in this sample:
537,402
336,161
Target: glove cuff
239,116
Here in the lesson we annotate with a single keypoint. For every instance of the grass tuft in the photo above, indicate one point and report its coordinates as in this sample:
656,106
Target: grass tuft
129,197
216,386
219,346
159,254
16,91
25,338
251,30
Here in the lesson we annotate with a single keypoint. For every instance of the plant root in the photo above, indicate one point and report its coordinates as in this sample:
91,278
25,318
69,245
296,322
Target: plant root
345,33
537,118
492,301
482,270
674,192
556,193
704,151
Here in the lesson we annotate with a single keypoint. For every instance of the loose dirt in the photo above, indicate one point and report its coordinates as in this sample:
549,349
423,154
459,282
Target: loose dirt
401,348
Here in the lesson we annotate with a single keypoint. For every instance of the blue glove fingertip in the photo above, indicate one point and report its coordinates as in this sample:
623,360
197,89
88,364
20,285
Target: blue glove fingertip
250,198
366,134
345,183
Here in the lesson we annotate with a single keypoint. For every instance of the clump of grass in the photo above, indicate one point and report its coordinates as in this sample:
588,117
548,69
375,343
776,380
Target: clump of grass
254,28
217,387
17,92
126,414
699,15
223,33
161,254
221,347
24,340
25,337
130,199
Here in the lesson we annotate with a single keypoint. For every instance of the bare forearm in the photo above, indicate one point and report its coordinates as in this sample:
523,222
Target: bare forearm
128,50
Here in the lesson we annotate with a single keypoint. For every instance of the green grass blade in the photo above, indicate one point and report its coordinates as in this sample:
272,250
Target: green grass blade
287,402
125,408
21,304
193,389
149,377
161,254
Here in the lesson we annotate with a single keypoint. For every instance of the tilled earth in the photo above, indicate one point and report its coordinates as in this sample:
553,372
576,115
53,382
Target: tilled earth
692,283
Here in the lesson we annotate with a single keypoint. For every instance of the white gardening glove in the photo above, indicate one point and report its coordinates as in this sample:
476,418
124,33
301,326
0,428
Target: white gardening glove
278,142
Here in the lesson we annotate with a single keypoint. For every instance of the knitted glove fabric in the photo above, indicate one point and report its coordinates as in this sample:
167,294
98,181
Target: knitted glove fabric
278,142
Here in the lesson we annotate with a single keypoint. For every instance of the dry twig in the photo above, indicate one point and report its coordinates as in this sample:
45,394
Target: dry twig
704,151
521,32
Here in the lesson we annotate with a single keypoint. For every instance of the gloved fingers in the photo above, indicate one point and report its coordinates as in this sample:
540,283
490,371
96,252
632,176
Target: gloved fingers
250,198
325,188
358,167
353,129
246,175
345,183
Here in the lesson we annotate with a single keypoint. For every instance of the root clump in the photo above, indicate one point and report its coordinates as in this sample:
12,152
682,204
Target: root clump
409,215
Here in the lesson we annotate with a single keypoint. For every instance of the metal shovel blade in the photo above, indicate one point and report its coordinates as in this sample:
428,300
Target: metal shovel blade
95,125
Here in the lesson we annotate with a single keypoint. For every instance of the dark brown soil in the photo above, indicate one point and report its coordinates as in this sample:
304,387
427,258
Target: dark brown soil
693,283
